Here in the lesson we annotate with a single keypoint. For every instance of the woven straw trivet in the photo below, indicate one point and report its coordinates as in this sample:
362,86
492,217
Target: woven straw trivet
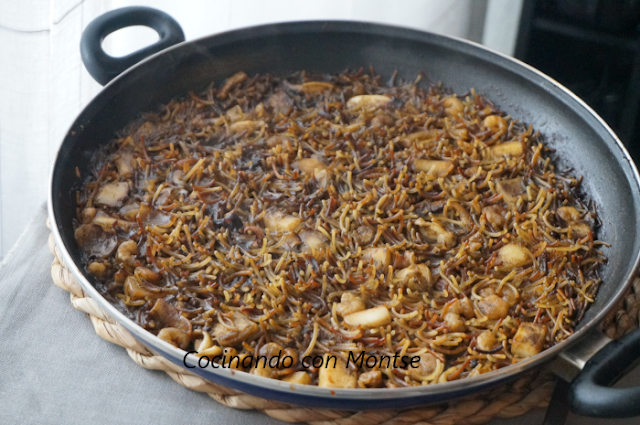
531,391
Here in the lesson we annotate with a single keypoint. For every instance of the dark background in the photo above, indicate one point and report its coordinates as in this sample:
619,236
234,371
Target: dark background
593,48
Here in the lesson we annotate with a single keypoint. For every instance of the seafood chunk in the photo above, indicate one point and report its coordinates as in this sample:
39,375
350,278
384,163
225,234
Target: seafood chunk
455,322
235,114
169,316
371,318
486,341
494,307
381,257
112,194
580,229
415,277
568,214
368,101
277,221
126,252
151,216
529,339
435,233
433,168
513,255
175,336
383,120
88,214
205,347
495,123
460,133
271,350
97,269
364,235
295,356
371,379
507,148
453,106
240,330
95,241
510,296
511,189
349,303
280,103
107,223
249,126
291,242
572,217
147,274
463,307
419,137
130,211
135,289
312,240
494,216
310,166
426,366
314,87
339,376
124,163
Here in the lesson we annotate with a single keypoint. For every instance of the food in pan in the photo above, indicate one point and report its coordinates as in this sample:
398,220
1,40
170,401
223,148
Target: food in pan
399,233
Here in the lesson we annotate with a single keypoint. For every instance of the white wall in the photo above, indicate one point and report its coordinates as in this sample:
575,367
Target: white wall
202,17
501,25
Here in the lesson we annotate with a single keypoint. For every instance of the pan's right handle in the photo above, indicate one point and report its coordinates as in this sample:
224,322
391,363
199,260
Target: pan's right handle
590,393
103,67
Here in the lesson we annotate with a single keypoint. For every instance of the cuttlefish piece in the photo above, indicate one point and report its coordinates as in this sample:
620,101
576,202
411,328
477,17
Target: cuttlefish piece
112,194
278,221
507,148
434,168
368,101
95,241
242,330
513,255
511,189
314,87
370,318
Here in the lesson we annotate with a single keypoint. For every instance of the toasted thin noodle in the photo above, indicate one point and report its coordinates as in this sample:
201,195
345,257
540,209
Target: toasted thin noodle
287,205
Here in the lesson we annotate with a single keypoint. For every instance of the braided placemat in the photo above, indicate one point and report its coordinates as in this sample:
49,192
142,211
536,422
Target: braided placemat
531,391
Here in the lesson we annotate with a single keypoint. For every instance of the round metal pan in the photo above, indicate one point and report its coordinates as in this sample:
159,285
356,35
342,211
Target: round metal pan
580,137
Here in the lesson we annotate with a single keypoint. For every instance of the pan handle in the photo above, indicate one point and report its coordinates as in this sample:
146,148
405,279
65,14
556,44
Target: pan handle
590,393
103,67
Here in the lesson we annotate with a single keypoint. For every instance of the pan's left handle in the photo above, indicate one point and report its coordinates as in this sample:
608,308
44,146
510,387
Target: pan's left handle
103,67
590,393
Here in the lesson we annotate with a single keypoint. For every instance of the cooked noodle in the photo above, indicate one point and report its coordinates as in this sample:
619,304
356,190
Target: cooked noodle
266,215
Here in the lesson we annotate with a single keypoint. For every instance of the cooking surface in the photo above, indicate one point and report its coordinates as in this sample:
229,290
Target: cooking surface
186,67
64,370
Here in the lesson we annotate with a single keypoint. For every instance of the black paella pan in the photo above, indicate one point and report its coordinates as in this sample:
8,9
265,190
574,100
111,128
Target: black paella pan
171,68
